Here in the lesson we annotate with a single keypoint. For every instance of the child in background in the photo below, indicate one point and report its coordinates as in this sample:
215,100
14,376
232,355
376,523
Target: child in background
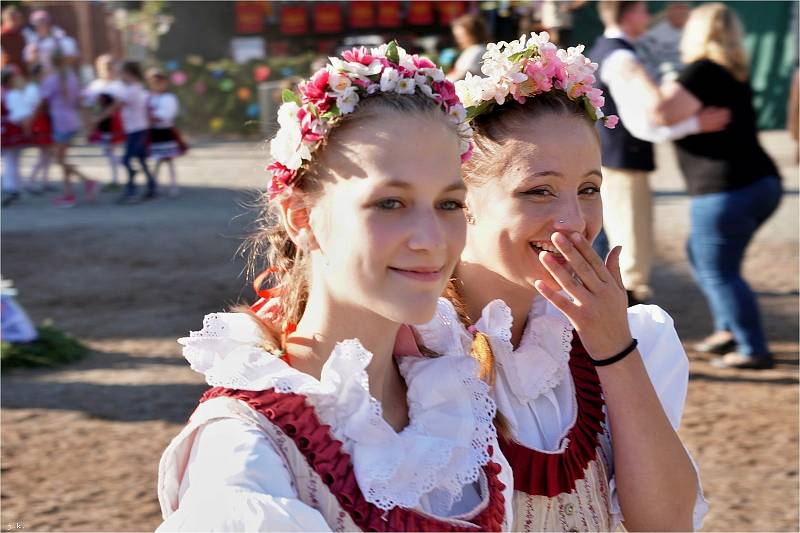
165,141
108,132
41,135
15,124
61,90
133,108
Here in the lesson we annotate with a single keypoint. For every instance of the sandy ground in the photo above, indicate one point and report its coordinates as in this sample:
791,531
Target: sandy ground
80,444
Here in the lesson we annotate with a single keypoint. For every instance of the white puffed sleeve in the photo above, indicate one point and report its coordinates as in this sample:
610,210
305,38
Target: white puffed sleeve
668,369
235,480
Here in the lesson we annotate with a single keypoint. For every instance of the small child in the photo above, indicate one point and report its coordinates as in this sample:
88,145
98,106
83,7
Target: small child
133,106
41,135
108,132
165,140
15,123
61,90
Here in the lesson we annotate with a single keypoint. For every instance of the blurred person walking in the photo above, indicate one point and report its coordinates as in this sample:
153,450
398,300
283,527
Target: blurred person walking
101,94
734,185
61,90
45,40
12,39
659,48
627,150
166,142
15,125
41,136
132,103
471,35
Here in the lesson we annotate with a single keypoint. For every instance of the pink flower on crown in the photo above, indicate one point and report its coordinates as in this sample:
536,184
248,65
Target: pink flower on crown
315,89
358,55
336,90
529,66
611,121
281,182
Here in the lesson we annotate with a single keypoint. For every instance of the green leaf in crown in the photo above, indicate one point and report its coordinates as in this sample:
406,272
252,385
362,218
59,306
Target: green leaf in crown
288,96
392,54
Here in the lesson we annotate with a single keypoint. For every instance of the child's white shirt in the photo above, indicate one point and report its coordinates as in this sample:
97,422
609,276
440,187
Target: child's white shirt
134,107
164,108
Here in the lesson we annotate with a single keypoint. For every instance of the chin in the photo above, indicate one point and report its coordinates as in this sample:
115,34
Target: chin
414,311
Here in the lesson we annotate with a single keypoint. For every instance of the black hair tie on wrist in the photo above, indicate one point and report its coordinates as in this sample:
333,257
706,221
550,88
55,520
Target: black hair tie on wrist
621,355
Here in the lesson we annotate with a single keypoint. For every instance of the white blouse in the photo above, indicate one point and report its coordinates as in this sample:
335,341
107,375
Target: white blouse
534,390
233,478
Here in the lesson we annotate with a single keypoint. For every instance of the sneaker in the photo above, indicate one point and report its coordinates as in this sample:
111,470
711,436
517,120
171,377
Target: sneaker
65,201
742,361
90,189
719,342
110,187
10,198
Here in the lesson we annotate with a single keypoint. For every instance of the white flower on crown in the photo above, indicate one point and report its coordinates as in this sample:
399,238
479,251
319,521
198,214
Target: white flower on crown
288,148
287,115
389,79
356,70
457,114
470,90
338,82
346,102
406,86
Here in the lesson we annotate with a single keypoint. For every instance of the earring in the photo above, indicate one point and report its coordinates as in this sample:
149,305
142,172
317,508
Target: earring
470,218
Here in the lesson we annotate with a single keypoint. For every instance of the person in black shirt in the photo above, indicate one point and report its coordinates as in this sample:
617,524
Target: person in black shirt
734,184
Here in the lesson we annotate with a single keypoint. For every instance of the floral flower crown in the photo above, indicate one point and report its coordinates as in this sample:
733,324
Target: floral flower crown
524,68
334,91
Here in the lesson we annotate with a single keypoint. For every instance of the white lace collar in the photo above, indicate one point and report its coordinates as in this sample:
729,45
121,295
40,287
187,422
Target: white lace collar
442,449
540,362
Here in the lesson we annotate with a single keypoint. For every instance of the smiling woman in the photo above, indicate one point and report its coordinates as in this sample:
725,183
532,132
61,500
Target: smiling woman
588,393
325,414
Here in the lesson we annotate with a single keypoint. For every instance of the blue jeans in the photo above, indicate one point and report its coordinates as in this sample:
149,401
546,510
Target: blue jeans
722,225
136,148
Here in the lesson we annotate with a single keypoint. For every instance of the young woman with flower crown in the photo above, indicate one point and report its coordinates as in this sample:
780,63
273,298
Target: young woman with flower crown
589,394
304,430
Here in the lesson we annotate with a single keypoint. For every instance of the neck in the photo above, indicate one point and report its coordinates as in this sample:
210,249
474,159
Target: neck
327,321
480,286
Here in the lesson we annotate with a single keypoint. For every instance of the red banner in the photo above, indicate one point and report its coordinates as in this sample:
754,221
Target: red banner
294,20
362,15
420,13
389,14
449,10
327,18
249,18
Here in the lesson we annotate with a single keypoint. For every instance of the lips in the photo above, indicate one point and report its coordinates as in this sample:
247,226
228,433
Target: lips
421,273
548,247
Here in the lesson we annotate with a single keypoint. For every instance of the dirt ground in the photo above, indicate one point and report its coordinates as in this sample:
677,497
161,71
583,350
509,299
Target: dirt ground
80,444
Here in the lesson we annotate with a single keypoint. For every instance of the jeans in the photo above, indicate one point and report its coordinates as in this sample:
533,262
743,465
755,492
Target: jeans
136,147
722,225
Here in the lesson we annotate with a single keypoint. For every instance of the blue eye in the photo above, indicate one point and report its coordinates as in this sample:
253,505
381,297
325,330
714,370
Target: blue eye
389,204
451,205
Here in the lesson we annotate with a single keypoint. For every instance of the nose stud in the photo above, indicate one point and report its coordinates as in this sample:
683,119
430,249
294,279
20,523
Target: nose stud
561,221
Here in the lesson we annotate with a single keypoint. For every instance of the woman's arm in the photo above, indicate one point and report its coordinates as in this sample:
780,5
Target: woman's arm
676,104
655,479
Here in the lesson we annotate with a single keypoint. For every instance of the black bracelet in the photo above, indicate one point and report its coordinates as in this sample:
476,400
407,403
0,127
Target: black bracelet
621,355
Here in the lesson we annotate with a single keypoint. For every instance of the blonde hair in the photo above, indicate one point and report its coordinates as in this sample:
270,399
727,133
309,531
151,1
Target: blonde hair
714,32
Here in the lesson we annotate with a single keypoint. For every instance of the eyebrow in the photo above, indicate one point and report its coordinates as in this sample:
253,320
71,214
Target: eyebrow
455,186
560,175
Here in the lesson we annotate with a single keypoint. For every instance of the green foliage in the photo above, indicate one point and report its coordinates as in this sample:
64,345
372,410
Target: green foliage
52,348
215,96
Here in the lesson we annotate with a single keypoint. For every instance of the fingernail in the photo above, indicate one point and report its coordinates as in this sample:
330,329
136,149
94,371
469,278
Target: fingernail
559,238
576,237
